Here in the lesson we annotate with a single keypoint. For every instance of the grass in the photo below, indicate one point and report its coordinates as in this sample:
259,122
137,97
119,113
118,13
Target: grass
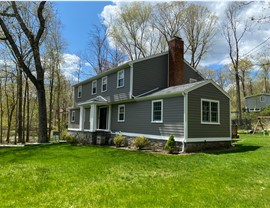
61,175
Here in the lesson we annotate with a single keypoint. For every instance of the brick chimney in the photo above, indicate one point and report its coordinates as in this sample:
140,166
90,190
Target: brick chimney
176,62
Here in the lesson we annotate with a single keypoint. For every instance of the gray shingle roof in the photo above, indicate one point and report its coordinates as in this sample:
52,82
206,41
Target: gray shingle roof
177,89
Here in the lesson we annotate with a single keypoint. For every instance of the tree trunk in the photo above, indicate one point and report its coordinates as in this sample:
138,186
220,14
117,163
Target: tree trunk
19,106
58,104
238,95
28,110
1,113
42,113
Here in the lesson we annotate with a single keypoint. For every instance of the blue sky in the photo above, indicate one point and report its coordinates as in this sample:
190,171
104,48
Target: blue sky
77,17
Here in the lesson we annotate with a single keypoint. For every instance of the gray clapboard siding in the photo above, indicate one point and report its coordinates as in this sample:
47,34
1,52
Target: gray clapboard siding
150,74
113,94
76,123
87,118
198,130
138,118
190,73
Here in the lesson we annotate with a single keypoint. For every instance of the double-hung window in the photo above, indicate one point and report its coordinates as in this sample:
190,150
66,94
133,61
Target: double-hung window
157,111
72,116
104,84
121,113
80,91
210,111
120,78
262,99
94,87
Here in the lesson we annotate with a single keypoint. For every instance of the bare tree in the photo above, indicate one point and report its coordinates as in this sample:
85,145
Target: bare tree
199,29
234,31
244,68
169,18
130,29
13,13
100,55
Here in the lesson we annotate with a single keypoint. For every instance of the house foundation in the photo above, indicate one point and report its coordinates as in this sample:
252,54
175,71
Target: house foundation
106,138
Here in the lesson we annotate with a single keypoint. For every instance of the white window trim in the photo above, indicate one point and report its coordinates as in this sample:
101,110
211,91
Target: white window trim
262,99
118,78
213,101
102,84
79,95
119,106
94,82
73,114
152,111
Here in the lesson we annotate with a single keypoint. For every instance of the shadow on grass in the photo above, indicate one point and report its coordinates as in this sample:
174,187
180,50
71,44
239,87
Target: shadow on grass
238,148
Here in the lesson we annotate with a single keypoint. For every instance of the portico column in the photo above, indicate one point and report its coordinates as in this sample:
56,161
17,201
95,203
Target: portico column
81,118
93,117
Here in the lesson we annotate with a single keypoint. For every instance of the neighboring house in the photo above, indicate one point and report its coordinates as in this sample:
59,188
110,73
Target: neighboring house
256,103
154,97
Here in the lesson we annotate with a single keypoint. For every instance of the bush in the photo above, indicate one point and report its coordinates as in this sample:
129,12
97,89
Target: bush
140,142
70,139
171,145
119,140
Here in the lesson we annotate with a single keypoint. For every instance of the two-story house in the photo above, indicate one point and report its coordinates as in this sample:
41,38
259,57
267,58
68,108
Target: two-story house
154,97
256,103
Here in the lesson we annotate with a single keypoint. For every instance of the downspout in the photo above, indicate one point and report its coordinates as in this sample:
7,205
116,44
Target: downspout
185,121
131,81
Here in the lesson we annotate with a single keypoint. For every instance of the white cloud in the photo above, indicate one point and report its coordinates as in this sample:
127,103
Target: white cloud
70,65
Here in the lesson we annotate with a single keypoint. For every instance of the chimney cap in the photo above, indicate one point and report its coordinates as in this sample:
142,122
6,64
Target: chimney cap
176,37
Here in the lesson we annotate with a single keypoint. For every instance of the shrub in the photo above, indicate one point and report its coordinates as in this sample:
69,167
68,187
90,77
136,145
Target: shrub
140,142
119,140
70,139
170,144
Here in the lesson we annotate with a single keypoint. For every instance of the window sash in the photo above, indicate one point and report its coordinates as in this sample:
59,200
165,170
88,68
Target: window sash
121,113
72,116
157,111
104,84
94,87
79,91
120,78
210,112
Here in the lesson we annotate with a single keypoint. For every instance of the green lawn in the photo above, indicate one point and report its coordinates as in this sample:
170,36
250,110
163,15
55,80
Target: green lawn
61,175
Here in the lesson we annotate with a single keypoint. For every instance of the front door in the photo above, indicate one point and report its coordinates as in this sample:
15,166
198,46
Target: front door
103,117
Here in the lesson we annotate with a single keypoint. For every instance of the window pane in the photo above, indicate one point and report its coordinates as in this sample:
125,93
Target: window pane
121,113
157,108
104,84
120,78
205,111
214,112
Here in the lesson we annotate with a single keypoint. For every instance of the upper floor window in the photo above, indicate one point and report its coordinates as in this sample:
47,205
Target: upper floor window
209,111
80,91
72,116
94,87
121,113
104,84
157,111
262,99
120,78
